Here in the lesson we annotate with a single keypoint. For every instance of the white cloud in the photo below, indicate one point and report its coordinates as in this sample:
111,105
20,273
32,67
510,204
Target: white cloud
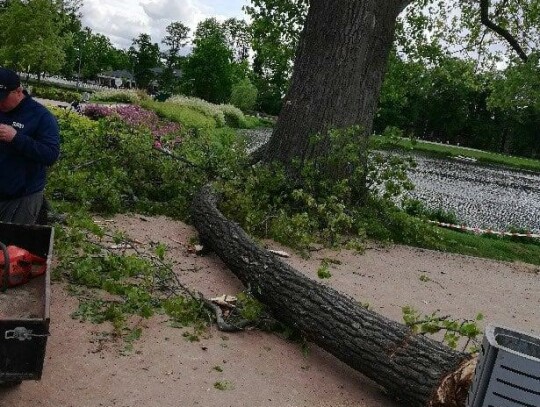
123,20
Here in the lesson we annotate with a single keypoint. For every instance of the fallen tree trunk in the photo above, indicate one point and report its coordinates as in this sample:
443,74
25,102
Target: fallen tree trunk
414,369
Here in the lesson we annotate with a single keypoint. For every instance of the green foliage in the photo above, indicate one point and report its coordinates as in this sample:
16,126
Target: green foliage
206,108
324,270
175,40
203,113
325,203
424,278
224,385
244,95
454,330
275,30
144,56
109,167
55,93
489,246
416,208
238,37
452,102
250,308
90,54
383,221
185,312
119,96
130,280
208,70
115,285
387,174
30,36
233,116
190,117
517,87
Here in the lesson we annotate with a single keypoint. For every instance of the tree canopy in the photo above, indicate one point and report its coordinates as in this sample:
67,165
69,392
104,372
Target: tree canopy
144,56
30,36
208,72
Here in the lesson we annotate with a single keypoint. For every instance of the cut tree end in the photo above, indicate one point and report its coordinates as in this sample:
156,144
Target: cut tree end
453,389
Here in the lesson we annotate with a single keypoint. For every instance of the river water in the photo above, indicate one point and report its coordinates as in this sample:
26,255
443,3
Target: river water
480,195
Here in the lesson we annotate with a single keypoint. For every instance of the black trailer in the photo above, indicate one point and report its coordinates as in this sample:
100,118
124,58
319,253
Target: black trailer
24,310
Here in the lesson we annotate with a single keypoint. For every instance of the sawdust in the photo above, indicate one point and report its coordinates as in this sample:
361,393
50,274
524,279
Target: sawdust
24,301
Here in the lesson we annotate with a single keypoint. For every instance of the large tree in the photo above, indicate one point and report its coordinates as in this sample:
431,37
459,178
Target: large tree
343,50
338,72
414,369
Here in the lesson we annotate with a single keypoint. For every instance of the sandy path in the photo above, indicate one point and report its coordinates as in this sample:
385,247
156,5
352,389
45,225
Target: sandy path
263,369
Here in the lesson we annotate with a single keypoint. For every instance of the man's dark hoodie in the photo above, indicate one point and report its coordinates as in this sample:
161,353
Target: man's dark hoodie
24,161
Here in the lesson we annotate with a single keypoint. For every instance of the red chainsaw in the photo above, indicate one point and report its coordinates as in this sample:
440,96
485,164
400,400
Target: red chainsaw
19,266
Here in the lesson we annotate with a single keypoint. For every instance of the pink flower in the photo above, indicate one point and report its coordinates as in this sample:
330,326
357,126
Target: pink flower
137,117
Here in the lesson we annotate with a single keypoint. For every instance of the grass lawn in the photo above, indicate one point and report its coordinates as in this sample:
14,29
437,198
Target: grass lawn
441,150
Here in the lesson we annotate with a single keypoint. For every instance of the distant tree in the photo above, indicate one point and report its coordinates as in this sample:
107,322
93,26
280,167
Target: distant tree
516,97
69,15
244,95
239,38
30,37
120,59
175,40
208,71
144,55
97,55
275,30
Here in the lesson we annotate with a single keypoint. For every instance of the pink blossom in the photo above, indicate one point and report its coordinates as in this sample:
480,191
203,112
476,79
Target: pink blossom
137,117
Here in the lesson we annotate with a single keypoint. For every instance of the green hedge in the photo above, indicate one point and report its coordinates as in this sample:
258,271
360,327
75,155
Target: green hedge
54,93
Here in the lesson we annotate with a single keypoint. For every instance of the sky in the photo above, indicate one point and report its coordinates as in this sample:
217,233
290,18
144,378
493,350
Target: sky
123,20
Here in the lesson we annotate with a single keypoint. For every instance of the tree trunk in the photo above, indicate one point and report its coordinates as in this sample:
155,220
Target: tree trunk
412,368
338,72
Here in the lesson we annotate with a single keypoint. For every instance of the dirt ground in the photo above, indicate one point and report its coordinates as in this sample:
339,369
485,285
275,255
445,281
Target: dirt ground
255,368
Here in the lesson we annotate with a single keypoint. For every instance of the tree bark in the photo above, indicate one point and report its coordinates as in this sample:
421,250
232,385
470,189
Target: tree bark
338,72
412,368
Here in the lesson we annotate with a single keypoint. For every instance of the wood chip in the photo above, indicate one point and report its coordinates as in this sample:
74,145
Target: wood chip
280,253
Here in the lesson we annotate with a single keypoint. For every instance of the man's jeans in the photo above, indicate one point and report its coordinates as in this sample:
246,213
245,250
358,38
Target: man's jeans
23,210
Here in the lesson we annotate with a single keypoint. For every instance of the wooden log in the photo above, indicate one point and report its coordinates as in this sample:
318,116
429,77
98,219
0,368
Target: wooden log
414,369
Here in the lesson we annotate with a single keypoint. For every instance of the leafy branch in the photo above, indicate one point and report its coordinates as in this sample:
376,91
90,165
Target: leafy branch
454,330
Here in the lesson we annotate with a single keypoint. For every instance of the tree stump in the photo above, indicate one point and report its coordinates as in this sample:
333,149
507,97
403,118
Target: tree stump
414,369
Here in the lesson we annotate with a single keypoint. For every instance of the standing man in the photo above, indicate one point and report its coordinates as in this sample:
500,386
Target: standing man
29,143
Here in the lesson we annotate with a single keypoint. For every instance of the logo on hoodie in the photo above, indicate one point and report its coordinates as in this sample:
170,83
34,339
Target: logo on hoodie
18,125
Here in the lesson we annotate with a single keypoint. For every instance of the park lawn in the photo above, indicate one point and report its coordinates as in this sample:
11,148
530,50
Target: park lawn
526,250
450,151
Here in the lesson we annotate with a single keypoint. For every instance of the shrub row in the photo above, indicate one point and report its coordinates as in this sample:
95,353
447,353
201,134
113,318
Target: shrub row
54,93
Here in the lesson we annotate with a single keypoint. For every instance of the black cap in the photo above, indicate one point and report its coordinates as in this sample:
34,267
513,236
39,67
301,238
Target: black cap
9,81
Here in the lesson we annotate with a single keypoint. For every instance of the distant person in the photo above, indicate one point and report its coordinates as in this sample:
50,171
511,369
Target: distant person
29,143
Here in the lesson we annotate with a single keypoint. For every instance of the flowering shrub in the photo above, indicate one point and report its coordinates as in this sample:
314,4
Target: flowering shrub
233,116
118,96
137,117
206,108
